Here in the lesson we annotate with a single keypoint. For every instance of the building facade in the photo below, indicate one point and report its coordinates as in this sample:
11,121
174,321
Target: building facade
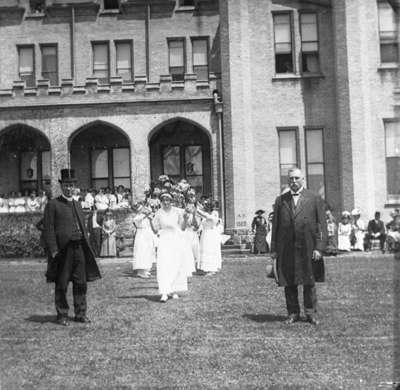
229,94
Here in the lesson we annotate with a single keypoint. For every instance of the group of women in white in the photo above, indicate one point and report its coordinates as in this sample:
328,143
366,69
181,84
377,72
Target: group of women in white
171,238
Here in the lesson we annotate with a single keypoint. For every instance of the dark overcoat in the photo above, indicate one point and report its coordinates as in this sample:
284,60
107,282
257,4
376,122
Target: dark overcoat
57,233
296,233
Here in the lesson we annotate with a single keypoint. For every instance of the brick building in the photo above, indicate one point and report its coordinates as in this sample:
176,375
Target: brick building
228,94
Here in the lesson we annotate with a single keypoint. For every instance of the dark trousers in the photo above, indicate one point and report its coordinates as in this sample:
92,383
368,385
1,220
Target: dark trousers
381,238
309,296
71,267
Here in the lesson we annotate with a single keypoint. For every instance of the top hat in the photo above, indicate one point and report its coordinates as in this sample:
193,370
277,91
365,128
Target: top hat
67,175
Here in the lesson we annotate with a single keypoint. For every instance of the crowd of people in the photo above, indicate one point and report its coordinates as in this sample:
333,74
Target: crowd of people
18,202
350,234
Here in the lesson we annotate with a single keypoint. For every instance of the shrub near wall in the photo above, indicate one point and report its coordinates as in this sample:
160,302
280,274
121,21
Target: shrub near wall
19,236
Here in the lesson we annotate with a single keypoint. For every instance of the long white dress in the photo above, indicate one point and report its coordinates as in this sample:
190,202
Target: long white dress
171,266
144,254
359,233
210,244
344,232
191,238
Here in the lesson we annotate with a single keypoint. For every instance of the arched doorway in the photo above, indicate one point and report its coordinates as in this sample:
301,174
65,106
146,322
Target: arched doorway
180,149
100,154
25,162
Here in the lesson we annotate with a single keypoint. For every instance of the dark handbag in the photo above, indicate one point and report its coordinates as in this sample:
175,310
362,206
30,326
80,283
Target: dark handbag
318,267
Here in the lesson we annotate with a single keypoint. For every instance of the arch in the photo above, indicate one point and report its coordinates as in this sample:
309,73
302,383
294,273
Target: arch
25,159
101,153
181,148
94,124
175,119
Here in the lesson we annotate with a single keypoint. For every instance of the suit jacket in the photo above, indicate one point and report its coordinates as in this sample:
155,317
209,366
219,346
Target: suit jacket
58,222
296,233
376,227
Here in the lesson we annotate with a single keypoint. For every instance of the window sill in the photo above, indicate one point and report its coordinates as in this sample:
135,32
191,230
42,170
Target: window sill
392,204
185,8
292,76
106,12
38,15
388,66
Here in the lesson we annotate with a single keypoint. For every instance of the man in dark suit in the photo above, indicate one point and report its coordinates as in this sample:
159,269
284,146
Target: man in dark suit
299,235
71,257
376,230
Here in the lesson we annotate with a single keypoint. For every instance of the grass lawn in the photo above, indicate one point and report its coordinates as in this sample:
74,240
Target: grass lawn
226,332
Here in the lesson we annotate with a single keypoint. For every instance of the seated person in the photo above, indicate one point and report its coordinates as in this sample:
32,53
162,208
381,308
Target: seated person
376,230
3,203
11,202
32,203
89,199
101,200
20,204
112,199
393,234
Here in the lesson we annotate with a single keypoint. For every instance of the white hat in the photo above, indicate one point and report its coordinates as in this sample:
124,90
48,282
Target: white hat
356,212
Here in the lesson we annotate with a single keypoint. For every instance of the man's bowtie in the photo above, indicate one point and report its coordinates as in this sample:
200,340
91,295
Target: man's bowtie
295,194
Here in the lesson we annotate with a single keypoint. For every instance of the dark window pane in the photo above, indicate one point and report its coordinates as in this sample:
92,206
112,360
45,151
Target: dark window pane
177,73
201,72
283,63
171,161
111,4
389,52
36,6
393,175
310,62
186,2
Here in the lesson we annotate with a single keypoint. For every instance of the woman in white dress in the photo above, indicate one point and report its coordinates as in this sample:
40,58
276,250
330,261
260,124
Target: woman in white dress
101,200
191,238
168,222
3,204
144,247
32,203
344,232
358,226
210,240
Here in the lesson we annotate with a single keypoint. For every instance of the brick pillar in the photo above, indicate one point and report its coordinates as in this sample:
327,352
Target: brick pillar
237,119
354,28
59,157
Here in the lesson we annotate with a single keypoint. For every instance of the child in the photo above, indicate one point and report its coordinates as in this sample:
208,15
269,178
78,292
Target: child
108,245
144,246
344,232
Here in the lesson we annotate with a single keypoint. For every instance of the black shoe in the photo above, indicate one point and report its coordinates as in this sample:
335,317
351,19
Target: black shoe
292,319
312,320
62,321
83,320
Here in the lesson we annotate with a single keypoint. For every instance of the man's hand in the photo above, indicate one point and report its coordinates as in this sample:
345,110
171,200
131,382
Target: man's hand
273,255
54,254
316,255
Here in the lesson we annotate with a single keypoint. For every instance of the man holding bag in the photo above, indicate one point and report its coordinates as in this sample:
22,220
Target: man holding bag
299,236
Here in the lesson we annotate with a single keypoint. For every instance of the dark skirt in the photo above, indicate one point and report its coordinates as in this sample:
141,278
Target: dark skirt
260,242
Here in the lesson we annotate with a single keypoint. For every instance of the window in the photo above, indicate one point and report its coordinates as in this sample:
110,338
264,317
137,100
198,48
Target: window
114,161
200,57
387,33
110,4
35,170
101,68
36,6
186,3
50,63
315,161
309,43
176,55
283,43
392,137
26,65
184,161
287,153
124,60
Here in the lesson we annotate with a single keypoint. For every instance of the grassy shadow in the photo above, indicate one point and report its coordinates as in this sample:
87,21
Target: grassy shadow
264,317
152,298
41,318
